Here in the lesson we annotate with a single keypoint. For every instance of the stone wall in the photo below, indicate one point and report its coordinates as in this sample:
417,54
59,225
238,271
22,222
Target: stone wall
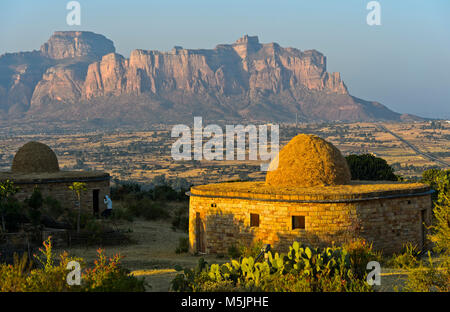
387,222
61,192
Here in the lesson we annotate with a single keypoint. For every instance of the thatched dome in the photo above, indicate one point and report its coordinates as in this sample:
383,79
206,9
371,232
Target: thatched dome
308,160
35,157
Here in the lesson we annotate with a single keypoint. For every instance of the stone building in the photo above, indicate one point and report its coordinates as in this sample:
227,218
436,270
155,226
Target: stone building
308,198
36,165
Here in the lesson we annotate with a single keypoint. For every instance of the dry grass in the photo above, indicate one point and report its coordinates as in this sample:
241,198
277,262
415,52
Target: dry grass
358,188
308,160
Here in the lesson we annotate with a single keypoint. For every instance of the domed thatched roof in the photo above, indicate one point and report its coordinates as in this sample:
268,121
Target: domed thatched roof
35,157
308,160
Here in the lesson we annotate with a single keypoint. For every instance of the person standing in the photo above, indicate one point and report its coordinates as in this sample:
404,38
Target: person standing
108,202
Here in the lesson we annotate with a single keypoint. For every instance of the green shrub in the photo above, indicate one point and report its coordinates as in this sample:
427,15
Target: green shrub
183,245
181,219
432,276
234,251
369,167
429,277
148,209
155,211
361,252
121,213
301,269
53,208
238,250
407,258
106,275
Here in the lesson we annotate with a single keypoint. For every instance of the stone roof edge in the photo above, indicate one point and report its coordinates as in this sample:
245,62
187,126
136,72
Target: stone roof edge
324,201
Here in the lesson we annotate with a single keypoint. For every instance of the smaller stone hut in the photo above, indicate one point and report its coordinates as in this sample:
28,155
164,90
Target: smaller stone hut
36,165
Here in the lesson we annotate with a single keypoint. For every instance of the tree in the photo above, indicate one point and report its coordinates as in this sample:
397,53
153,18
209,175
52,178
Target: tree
77,188
369,167
7,189
35,203
439,180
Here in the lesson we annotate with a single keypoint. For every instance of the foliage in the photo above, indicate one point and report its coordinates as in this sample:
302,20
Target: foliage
407,258
183,245
301,269
180,219
53,208
369,167
441,228
35,202
147,209
7,190
433,276
119,192
161,190
106,275
109,275
121,213
14,214
77,188
234,251
429,277
360,253
238,250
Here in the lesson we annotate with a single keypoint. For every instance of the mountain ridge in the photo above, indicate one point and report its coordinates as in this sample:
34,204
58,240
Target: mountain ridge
78,74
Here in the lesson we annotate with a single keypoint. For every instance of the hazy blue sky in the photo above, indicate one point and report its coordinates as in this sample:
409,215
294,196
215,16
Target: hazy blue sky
404,63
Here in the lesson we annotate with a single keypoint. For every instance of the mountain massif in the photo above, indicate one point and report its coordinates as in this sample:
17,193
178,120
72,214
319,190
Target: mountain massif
79,76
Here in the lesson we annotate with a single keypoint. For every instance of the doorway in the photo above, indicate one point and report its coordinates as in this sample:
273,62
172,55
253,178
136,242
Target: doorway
199,233
95,202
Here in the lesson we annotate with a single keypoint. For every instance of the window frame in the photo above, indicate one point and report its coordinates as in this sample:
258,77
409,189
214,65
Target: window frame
302,220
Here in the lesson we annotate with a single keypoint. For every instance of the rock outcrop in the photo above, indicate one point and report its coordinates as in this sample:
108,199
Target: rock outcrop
79,74
72,44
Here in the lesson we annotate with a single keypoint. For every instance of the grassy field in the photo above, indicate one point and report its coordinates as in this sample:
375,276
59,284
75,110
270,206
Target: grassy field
152,256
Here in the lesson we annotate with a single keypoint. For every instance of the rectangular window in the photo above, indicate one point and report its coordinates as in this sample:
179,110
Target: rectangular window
298,222
254,219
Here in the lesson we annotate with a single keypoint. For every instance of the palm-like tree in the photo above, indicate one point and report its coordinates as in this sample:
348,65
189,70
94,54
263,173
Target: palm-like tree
77,188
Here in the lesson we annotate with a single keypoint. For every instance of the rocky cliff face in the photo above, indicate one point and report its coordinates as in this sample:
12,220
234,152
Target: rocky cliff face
72,44
79,74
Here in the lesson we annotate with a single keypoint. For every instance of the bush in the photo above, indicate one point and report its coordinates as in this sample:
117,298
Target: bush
120,191
360,253
14,214
183,245
234,251
369,167
181,219
121,213
238,250
429,277
147,209
302,269
407,258
106,275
